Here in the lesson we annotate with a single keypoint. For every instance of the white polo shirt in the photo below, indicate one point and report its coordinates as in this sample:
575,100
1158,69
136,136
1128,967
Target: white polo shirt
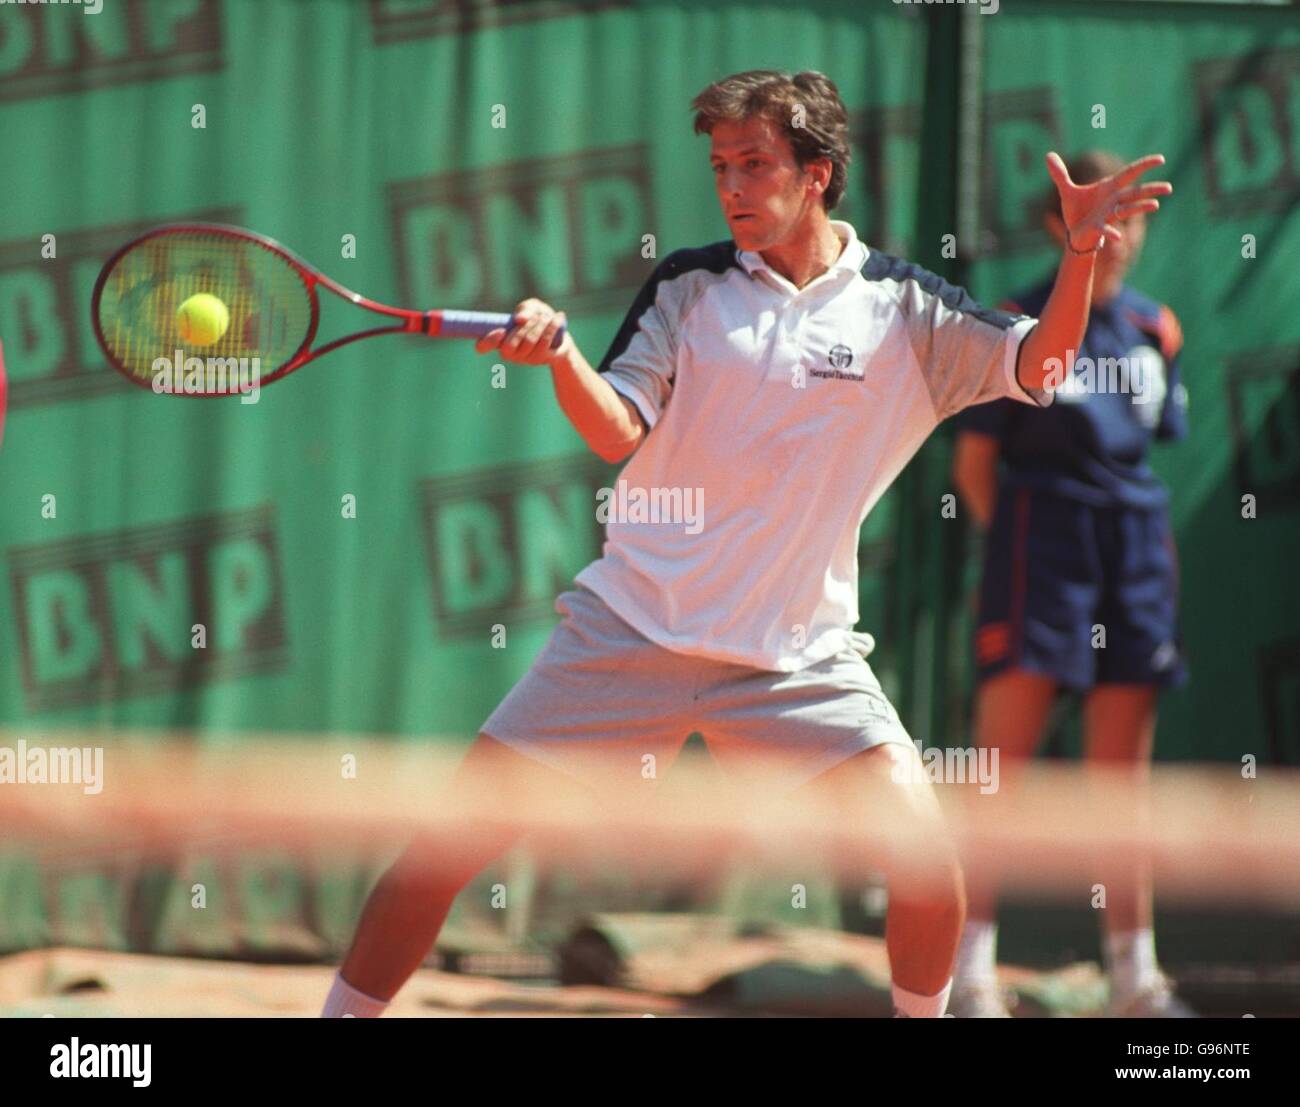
777,419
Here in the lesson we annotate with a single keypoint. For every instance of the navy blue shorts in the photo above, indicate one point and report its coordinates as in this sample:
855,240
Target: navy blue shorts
1061,578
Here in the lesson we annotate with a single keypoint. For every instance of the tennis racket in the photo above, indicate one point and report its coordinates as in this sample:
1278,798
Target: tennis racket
270,297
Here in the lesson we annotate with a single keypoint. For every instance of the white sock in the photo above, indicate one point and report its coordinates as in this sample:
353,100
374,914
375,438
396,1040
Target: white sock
977,960
1131,960
345,1000
909,1005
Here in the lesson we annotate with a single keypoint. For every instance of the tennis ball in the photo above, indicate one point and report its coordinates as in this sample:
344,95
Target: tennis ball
202,319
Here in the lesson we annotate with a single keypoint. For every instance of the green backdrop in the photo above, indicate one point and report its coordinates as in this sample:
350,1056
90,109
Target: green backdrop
127,518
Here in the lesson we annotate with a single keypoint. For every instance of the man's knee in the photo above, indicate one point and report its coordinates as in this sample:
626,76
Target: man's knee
935,885
926,862
439,864
428,869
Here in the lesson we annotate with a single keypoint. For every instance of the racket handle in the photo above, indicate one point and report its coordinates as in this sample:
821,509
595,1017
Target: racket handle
475,324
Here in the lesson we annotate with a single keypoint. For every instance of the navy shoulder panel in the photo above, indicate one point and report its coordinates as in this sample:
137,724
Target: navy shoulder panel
884,267
717,257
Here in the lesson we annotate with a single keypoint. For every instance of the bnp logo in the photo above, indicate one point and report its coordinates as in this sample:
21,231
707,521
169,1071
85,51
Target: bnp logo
1250,130
1264,412
565,229
115,615
503,541
400,20
51,48
1019,125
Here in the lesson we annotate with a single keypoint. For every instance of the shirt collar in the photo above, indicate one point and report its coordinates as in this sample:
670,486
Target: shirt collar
852,258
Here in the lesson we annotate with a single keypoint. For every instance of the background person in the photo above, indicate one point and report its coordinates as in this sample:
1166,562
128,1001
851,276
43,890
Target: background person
1078,537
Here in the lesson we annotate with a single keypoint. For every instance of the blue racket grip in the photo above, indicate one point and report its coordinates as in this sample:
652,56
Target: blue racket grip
475,324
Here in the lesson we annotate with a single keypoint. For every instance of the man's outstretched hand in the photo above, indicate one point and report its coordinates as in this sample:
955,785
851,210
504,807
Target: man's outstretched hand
1091,211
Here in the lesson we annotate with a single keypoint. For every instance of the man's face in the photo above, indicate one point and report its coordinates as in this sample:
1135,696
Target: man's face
763,192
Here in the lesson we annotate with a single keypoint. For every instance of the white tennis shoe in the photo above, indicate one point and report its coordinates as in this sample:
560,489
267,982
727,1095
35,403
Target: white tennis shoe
1156,1001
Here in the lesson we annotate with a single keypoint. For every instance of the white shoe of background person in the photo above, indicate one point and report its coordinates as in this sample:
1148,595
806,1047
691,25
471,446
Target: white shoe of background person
1155,1001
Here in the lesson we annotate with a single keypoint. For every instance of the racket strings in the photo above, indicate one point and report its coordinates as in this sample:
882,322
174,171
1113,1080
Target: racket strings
269,307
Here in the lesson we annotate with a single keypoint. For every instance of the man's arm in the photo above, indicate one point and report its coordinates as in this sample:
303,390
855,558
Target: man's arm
1088,212
1061,324
975,474
608,422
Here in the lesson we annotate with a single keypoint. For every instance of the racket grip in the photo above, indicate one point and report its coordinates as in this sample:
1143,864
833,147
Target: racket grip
475,324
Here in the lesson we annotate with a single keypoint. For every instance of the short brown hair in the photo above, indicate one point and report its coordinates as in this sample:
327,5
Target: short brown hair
775,96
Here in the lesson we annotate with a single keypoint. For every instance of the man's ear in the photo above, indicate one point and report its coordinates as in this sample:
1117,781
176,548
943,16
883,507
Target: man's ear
816,167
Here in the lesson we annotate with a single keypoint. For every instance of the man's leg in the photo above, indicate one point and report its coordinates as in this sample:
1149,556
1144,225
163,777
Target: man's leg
407,908
926,897
1140,612
1011,711
769,731
1119,733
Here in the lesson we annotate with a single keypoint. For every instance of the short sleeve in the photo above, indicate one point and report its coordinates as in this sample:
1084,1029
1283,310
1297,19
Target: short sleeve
968,354
974,357
641,361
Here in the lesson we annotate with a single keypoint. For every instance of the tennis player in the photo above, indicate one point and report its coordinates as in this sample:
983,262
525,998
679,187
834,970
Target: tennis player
1078,537
782,379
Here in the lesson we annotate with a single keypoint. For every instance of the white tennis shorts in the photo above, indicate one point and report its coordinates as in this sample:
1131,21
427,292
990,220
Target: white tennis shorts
601,698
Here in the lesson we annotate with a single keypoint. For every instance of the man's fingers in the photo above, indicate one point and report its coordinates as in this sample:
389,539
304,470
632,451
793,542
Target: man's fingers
1144,192
532,335
1125,211
528,338
490,341
518,332
1056,169
1135,169
523,344
548,335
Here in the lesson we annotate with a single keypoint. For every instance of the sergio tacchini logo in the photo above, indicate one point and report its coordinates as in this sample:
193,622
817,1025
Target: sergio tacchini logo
840,358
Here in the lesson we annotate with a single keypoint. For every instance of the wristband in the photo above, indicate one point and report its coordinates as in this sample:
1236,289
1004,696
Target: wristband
1083,253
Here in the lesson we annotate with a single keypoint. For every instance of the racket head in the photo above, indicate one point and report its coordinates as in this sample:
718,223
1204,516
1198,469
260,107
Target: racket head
269,294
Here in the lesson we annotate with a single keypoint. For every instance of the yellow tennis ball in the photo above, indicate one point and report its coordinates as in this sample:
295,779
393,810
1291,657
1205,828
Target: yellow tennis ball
202,319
